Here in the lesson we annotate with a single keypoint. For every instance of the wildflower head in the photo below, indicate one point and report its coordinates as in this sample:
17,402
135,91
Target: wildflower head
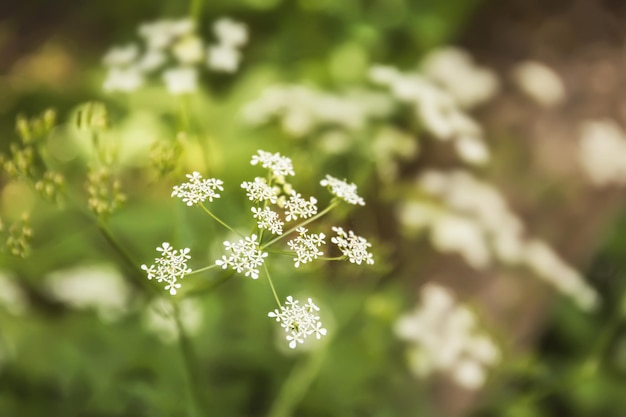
197,189
306,246
170,267
246,256
299,321
343,190
280,166
259,190
352,246
268,220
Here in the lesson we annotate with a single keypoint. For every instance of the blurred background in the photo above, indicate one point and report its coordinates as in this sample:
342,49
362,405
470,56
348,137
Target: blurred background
485,136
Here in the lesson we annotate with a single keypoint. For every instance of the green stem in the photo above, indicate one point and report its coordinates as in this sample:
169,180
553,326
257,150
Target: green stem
218,220
269,279
196,9
304,223
206,268
297,384
191,365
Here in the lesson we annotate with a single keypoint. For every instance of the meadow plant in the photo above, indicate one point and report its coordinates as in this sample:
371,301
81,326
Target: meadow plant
277,206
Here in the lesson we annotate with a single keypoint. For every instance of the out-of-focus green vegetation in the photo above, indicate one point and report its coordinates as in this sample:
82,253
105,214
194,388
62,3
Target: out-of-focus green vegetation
122,353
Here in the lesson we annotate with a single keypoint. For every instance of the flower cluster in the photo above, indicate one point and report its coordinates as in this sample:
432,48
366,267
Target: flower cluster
306,246
246,256
197,189
352,246
343,190
275,203
173,48
268,220
446,336
298,207
170,267
299,321
281,166
259,190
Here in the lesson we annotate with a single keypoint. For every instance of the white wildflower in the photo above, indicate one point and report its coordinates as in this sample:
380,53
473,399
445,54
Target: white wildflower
151,60
189,50
299,321
181,80
259,191
539,82
445,336
197,189
170,267
343,190
602,152
352,246
121,56
125,80
455,70
161,33
298,207
223,58
230,32
99,287
246,256
269,220
306,246
281,166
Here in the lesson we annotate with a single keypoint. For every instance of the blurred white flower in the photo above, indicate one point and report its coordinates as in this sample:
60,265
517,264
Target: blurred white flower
161,33
151,60
602,152
230,33
542,259
99,287
189,50
472,150
445,337
540,83
121,56
181,80
452,233
223,58
455,70
125,80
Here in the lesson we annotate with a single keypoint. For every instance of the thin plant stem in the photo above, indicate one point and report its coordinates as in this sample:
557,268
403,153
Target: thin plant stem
269,279
191,364
297,384
195,9
304,223
197,271
218,220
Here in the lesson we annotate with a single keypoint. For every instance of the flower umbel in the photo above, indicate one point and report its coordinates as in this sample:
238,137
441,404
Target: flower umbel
197,189
246,256
343,190
170,267
259,190
298,207
280,166
269,220
352,246
306,246
299,321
